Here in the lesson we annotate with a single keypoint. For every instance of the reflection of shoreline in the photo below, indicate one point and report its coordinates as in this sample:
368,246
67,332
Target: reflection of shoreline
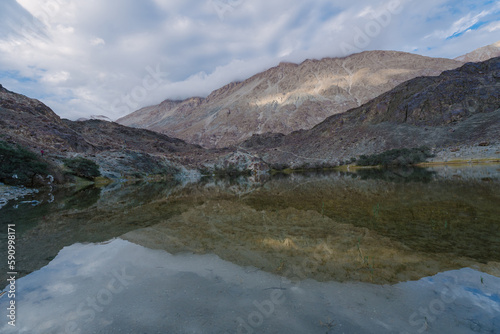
404,174
472,172
442,218
279,241
460,163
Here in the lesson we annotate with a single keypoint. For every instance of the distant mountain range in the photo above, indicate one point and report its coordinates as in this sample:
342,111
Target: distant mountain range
95,117
321,112
285,98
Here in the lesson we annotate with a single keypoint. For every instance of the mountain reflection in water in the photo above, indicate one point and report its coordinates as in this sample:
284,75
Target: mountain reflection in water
356,228
231,243
121,287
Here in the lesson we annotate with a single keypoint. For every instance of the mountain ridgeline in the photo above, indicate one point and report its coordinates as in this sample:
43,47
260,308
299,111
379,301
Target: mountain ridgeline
459,108
285,98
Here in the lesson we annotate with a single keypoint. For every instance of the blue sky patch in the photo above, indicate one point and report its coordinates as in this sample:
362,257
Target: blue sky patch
14,75
472,27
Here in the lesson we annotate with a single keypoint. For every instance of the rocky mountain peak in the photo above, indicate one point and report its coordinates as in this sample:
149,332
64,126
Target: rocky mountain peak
285,98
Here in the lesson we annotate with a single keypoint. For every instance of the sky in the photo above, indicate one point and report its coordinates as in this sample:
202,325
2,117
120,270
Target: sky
112,57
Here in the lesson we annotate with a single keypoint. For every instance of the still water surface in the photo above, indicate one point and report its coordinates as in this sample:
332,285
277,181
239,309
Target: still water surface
414,251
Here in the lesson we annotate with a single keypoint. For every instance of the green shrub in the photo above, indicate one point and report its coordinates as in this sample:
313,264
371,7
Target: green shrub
82,167
279,166
15,160
396,157
230,171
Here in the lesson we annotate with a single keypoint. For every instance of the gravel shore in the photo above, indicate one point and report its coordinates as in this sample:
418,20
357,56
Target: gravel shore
466,153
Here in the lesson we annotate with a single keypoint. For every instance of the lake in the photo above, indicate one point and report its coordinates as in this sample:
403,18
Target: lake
401,251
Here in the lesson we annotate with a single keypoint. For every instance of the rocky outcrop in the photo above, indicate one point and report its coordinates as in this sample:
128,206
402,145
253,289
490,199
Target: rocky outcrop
459,108
107,136
285,98
9,193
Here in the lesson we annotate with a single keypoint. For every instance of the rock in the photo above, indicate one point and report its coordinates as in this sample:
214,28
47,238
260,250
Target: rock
8,193
143,151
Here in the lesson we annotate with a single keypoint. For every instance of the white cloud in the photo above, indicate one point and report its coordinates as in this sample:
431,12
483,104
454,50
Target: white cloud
367,11
97,41
55,78
82,56
493,27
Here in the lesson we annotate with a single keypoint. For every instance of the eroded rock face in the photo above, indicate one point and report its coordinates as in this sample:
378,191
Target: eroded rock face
459,108
285,98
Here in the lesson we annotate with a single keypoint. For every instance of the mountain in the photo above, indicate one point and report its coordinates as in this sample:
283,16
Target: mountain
119,150
481,54
95,117
30,123
457,111
285,98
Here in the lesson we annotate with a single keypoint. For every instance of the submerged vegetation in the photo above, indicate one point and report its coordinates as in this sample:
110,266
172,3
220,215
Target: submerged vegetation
19,166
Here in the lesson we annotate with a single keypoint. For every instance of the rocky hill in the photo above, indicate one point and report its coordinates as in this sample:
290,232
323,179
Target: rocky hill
118,149
481,54
32,124
285,98
455,110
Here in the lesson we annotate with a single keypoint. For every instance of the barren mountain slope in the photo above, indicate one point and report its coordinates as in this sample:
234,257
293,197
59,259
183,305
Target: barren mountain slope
459,108
116,148
30,123
482,54
285,98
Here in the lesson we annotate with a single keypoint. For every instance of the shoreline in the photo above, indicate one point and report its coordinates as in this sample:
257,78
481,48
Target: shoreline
9,193
354,168
460,162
